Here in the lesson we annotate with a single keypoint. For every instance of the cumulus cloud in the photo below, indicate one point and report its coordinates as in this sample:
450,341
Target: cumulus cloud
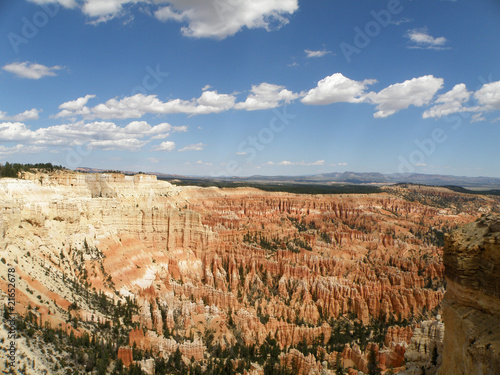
193,147
138,105
311,54
337,88
201,19
222,18
165,146
118,144
168,13
489,95
417,92
104,9
15,131
31,70
265,96
487,99
449,102
76,105
420,38
103,135
31,114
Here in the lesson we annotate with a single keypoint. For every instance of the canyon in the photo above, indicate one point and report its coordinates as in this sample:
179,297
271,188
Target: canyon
199,279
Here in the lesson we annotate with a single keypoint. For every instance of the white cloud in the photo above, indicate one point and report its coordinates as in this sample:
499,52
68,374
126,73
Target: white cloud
265,96
64,3
153,160
15,131
296,163
337,164
165,146
417,92
138,105
31,114
487,99
202,19
200,162
31,70
401,21
458,93
20,148
104,135
167,13
76,105
129,144
477,117
311,54
262,96
337,88
449,102
489,95
193,147
421,39
211,101
105,9
222,18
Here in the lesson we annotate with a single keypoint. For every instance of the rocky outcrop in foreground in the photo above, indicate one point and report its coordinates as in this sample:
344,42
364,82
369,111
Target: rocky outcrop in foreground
471,306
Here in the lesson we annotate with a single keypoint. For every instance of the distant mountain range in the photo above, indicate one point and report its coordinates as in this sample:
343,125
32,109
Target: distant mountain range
344,178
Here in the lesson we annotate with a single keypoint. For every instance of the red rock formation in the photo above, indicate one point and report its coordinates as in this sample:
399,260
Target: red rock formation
244,263
125,355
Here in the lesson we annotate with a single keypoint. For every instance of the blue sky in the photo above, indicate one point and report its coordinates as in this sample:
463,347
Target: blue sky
244,87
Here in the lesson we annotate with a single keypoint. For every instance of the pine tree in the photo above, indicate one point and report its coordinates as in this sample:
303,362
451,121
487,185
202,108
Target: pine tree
373,368
339,369
434,356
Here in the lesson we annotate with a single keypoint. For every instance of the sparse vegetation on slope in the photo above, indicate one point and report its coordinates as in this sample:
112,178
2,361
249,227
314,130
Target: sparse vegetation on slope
222,281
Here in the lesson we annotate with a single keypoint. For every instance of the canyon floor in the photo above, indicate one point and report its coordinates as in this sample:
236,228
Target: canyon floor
121,274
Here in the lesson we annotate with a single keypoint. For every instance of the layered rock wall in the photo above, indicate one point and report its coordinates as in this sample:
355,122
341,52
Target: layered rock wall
471,307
